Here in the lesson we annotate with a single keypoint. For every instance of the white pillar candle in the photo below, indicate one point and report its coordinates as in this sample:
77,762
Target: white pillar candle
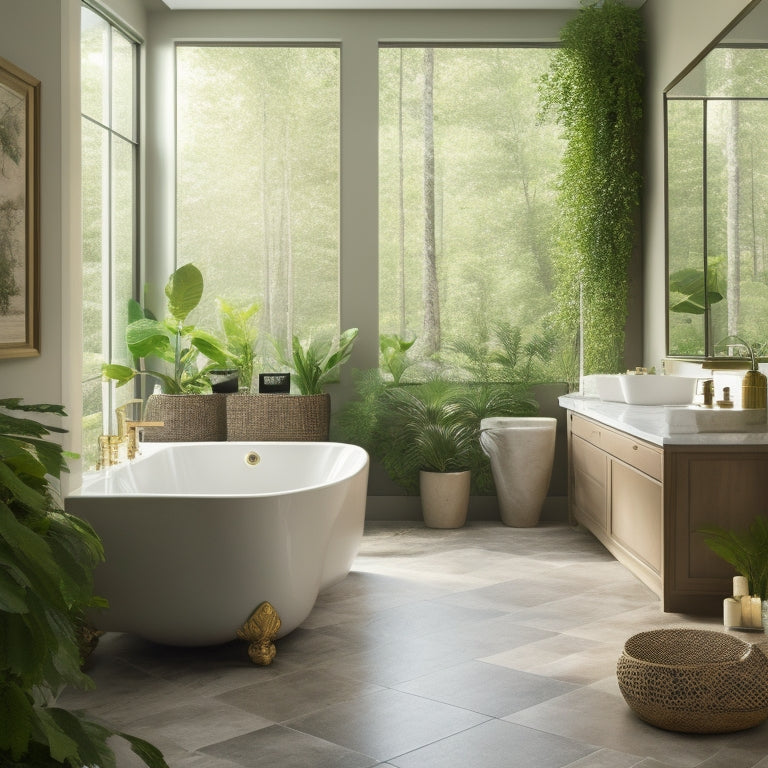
746,611
757,612
740,586
731,612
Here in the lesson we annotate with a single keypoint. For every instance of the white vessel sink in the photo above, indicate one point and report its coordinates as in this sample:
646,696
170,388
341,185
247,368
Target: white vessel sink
657,390
609,388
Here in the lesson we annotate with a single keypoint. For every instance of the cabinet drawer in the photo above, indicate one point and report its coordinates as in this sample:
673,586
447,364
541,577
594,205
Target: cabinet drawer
634,452
588,430
640,455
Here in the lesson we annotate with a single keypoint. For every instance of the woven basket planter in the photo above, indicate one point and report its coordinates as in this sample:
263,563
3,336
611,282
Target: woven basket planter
186,418
278,417
694,681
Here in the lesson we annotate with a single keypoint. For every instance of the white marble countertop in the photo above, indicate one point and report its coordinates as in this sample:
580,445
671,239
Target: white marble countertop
659,424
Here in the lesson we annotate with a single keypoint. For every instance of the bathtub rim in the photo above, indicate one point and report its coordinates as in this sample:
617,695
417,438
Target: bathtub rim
93,477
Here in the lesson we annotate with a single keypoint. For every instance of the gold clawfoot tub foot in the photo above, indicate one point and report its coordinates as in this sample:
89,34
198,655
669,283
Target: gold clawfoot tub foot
260,631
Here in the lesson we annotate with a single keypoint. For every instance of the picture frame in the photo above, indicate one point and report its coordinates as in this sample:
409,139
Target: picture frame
19,212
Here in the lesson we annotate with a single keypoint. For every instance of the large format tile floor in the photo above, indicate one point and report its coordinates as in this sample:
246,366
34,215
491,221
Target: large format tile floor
484,647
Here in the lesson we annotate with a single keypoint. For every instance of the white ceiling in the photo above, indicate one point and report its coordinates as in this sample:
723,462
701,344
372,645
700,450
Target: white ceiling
380,4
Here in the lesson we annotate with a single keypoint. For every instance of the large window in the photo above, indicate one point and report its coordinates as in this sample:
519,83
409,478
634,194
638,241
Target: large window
717,192
468,177
109,76
257,182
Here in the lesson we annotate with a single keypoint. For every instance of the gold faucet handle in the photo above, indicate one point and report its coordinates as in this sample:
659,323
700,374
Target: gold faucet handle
132,433
122,417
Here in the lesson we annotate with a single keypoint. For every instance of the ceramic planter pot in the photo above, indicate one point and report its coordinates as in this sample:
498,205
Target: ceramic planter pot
444,498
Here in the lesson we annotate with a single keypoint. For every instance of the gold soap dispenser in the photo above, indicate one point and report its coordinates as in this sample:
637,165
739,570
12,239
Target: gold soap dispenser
754,386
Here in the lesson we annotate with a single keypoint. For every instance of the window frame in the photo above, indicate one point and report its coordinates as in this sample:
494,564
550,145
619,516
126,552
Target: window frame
110,399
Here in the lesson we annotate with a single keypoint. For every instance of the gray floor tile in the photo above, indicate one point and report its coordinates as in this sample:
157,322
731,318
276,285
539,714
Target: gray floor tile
485,688
279,747
386,723
296,694
496,744
593,717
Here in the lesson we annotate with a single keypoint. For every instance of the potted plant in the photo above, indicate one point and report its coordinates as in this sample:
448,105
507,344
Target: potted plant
46,583
170,340
306,416
180,346
434,436
747,552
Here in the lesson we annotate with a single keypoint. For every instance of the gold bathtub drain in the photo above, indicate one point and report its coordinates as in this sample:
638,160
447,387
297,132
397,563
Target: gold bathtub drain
252,459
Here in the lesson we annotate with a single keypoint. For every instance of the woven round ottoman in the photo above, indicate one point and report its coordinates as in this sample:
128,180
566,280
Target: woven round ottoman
695,681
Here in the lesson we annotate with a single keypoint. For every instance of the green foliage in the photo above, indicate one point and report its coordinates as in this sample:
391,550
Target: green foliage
394,355
170,340
433,425
697,294
240,334
318,361
46,584
594,88
747,552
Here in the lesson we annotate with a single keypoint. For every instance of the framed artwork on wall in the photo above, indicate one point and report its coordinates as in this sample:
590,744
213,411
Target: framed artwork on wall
19,212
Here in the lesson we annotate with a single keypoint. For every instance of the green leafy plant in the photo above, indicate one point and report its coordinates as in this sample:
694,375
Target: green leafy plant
434,425
747,552
594,89
318,361
46,584
394,355
697,293
170,340
240,335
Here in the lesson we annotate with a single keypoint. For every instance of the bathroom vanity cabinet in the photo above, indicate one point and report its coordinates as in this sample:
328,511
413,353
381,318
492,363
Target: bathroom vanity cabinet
645,494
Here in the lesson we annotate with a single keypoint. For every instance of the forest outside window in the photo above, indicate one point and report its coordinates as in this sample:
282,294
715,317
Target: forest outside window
257,185
717,194
467,207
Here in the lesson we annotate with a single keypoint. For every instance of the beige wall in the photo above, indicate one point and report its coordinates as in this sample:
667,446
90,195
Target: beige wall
678,31
37,36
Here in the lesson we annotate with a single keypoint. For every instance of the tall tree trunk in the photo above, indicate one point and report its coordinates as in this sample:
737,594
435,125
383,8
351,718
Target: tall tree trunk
752,213
732,214
401,198
265,226
288,238
430,291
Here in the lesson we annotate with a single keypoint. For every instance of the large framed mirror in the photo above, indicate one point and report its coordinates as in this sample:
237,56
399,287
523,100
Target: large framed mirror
717,197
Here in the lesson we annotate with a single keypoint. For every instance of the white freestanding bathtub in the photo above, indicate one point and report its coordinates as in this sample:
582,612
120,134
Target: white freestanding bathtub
197,535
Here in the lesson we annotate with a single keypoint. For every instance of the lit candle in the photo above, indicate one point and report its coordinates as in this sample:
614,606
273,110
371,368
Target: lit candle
757,612
731,612
740,586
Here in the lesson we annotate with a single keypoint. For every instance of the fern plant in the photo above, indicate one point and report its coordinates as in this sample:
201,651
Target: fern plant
747,552
46,581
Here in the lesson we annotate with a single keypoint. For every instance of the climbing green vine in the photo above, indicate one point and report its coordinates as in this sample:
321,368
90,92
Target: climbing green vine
593,88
